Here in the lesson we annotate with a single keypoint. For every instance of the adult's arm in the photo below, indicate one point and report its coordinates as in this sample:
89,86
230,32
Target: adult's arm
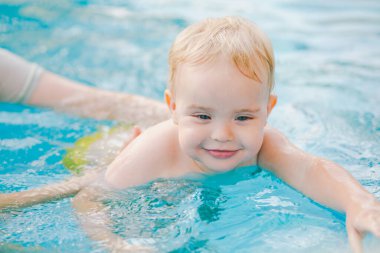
75,98
46,193
25,82
59,190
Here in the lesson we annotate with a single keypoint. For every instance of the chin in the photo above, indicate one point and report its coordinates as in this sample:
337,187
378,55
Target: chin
221,168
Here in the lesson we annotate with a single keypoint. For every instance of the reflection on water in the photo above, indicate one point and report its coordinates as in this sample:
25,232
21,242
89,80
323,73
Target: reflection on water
327,57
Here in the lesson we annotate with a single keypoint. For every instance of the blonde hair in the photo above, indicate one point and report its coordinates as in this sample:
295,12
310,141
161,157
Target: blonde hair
249,48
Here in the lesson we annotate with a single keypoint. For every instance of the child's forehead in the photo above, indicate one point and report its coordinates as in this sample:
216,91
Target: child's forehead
208,102
219,74
221,67
216,62
219,85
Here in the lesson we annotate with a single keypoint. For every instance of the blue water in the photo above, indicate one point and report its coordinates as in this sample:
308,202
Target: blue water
328,61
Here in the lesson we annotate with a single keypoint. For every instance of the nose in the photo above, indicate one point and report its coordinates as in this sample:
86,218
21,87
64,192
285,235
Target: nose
222,133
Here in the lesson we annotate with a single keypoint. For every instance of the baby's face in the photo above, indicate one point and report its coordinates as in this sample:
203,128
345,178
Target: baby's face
221,115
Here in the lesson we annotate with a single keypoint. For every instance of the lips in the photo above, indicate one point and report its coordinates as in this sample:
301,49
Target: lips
221,154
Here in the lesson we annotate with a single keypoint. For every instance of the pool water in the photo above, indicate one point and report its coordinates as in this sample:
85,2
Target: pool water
328,61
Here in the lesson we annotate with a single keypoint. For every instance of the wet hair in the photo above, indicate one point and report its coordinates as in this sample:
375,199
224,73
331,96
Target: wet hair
235,37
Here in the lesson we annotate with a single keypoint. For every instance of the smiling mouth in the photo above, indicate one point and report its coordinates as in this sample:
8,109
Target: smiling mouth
221,154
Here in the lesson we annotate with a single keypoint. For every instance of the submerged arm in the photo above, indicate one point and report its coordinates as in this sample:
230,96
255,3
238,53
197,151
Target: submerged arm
54,191
323,181
46,193
97,224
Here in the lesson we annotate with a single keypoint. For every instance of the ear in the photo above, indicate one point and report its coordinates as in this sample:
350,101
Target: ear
271,103
169,100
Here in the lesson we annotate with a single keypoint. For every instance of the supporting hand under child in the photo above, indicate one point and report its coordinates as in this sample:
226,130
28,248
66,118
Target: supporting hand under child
58,190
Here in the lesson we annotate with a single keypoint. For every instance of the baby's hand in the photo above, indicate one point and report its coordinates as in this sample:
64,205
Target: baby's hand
362,218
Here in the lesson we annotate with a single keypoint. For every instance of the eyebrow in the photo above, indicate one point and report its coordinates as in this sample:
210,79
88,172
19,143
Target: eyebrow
199,107
249,110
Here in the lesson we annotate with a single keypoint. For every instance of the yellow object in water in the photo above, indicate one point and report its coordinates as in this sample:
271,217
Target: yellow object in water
96,150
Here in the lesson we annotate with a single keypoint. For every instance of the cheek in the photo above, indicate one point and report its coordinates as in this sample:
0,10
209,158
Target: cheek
189,136
252,139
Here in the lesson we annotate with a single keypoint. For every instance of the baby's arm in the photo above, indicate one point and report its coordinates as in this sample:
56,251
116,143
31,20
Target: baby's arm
323,181
137,164
96,223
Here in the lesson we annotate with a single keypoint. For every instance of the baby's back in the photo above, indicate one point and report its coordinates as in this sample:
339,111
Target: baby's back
154,154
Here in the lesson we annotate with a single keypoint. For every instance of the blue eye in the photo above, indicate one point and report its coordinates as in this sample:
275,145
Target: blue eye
243,118
203,116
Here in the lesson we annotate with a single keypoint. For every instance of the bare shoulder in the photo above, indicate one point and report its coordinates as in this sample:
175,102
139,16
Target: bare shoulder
275,148
146,158
273,138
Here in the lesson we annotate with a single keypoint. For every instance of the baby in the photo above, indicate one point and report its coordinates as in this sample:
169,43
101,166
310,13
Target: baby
219,95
